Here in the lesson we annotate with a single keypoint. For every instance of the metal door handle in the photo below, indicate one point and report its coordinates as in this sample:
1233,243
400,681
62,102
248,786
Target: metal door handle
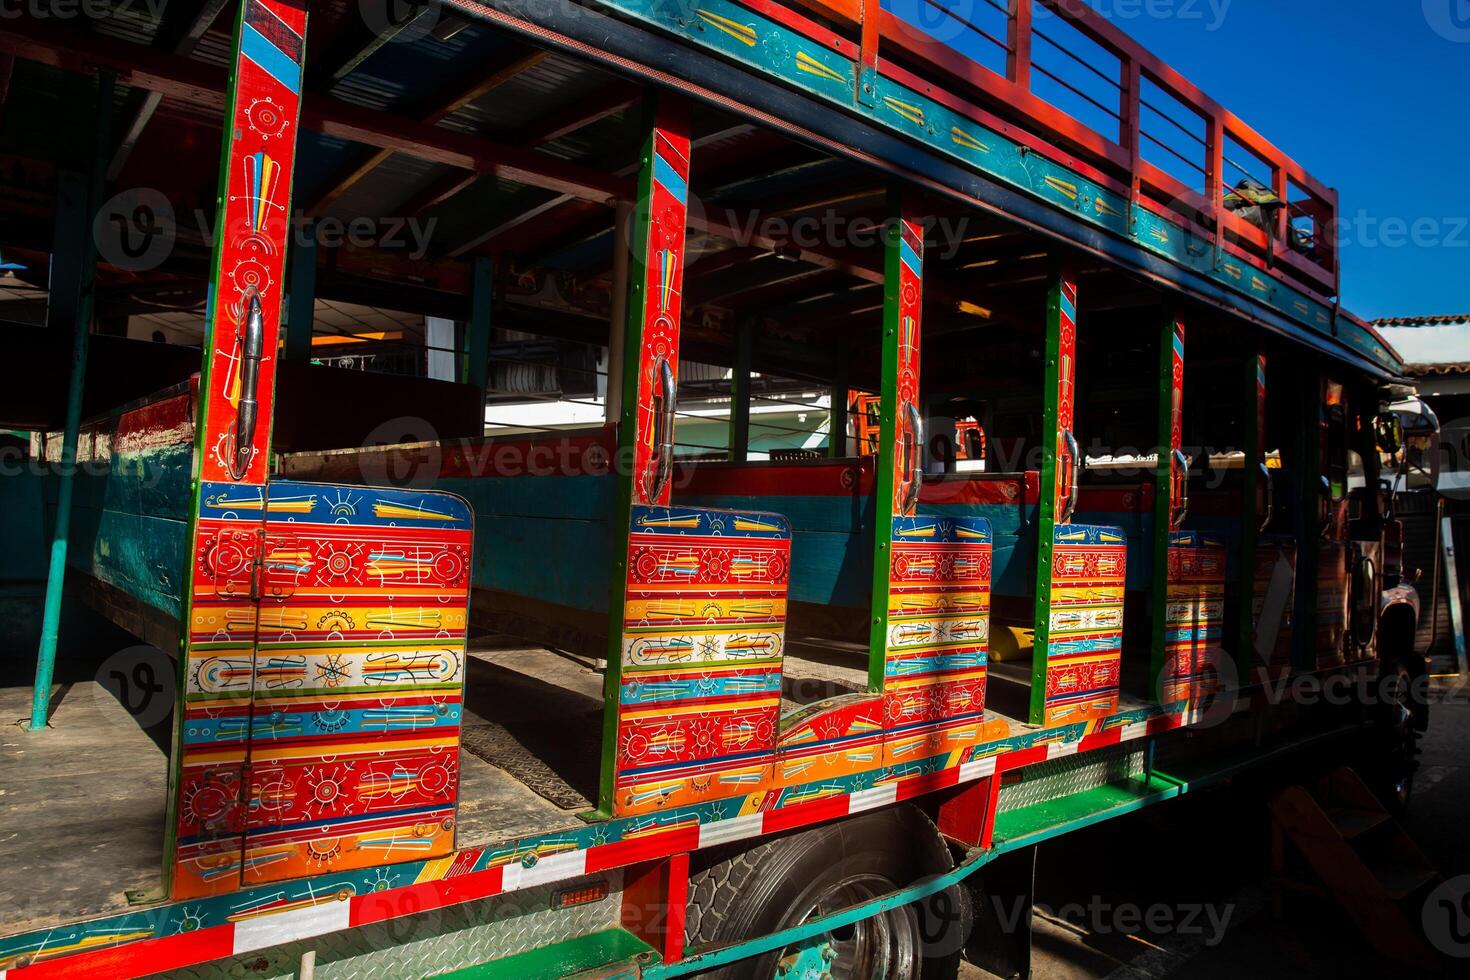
1270,510
913,459
1180,478
248,411
663,432
1073,485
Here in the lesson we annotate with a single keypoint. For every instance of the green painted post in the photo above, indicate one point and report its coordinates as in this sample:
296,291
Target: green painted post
1308,432
477,332
1058,375
1253,379
666,122
837,426
301,301
1163,506
883,463
740,396
73,276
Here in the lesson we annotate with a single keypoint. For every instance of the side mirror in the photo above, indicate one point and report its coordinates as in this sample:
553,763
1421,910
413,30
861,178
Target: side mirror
1413,576
1388,432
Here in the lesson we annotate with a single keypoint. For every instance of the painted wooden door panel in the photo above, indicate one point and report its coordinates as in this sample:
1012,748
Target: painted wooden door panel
359,678
699,702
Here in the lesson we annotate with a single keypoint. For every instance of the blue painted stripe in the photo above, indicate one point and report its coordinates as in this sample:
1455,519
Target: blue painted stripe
272,59
665,174
1069,307
910,257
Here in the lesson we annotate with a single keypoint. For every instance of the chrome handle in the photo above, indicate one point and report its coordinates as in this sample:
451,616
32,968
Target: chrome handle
1074,486
1324,508
663,436
914,459
1270,510
248,412
1180,490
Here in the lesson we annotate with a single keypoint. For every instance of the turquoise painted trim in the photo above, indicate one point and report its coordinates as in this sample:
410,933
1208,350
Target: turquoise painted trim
74,273
759,43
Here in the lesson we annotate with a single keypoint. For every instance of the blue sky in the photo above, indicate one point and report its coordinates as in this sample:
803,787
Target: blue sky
1371,97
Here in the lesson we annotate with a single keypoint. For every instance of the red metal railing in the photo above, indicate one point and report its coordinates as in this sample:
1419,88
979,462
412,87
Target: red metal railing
905,52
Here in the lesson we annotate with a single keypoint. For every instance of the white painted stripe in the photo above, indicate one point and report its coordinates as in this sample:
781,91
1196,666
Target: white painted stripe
264,931
557,867
736,828
977,769
1057,750
1136,730
868,799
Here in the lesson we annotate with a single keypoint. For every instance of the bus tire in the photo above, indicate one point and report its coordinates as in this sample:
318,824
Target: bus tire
782,882
1400,735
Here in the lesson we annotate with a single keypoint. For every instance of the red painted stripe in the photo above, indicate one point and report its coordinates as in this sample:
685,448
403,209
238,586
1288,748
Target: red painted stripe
381,906
981,490
830,808
820,479
1100,740
648,848
928,783
1019,758
137,959
1165,723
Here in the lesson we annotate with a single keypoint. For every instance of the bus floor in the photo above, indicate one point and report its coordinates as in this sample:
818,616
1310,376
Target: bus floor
82,808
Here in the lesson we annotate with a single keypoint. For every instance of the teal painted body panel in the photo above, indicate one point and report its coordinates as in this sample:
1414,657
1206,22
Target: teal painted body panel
545,536
23,502
129,523
831,542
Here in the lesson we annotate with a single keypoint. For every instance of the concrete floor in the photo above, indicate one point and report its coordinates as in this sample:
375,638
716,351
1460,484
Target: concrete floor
1089,884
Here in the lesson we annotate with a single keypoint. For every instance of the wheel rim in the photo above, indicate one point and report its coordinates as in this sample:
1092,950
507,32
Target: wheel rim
882,947
1401,717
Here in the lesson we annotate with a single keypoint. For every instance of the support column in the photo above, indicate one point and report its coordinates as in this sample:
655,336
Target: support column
1254,484
301,300
1169,490
73,275
209,791
477,330
1058,463
899,461
740,392
618,319
1310,481
837,426
650,374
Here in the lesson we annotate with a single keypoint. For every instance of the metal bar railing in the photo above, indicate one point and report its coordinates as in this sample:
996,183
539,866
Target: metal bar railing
1120,154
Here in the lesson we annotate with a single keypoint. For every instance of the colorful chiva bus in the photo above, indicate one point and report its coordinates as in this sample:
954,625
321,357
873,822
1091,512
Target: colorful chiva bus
927,452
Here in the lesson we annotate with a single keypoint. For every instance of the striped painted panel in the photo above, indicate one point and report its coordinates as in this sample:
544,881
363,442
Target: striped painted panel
704,619
1085,647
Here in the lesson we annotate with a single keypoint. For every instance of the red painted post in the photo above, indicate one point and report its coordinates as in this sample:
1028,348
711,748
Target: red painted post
1215,176
656,904
1130,125
1018,44
868,42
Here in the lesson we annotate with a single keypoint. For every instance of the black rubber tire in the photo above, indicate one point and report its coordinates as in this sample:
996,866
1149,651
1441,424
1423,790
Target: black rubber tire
767,888
1394,780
